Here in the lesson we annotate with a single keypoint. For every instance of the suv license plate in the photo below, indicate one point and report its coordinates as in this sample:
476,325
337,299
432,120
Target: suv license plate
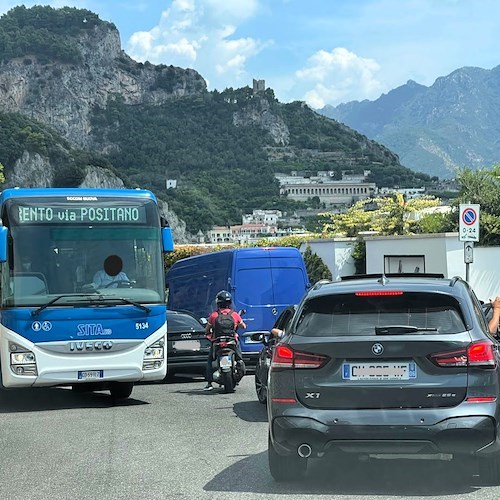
91,375
379,371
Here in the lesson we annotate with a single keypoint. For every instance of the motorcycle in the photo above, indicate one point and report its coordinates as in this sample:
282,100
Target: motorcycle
227,370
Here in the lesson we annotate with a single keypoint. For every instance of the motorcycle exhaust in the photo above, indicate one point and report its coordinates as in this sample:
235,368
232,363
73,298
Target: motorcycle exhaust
304,450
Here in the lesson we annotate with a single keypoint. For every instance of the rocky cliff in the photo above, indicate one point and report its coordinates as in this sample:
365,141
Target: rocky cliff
64,95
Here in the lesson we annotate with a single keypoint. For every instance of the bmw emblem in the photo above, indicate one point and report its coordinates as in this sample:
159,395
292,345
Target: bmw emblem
377,349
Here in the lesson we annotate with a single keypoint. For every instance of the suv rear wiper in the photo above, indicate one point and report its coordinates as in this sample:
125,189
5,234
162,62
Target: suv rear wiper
59,297
401,329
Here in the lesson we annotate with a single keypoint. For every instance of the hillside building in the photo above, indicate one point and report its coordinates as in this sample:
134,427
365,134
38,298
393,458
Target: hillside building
268,217
350,189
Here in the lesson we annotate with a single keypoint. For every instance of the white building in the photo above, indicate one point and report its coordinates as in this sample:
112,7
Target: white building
251,232
347,191
268,217
243,233
220,234
408,193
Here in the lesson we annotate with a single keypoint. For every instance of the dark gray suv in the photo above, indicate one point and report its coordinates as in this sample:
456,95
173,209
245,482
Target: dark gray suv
388,366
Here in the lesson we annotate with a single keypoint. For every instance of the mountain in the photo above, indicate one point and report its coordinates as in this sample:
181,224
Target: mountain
437,129
64,72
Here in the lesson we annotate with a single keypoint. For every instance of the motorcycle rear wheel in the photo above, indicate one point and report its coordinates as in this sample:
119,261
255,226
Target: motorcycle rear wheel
227,382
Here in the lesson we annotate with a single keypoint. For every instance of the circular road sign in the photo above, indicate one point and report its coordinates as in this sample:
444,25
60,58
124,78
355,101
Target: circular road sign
469,216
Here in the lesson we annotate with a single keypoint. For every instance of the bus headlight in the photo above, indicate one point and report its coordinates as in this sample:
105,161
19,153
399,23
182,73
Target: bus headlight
154,355
22,358
22,362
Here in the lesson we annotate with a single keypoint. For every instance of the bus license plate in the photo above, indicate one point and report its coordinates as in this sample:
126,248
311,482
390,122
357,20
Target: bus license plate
91,375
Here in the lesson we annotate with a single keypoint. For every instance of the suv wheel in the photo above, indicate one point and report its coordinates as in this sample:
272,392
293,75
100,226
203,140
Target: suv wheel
285,468
260,389
489,470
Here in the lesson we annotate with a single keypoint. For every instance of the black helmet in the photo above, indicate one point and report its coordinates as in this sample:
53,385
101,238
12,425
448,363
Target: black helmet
223,298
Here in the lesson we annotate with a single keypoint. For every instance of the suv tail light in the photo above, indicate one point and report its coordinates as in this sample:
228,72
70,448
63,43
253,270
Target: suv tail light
284,357
479,354
482,354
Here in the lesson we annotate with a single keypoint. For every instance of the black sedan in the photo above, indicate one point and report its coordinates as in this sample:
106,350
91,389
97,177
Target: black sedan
266,354
187,346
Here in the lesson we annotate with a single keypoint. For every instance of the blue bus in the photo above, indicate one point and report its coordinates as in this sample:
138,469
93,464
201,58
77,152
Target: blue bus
263,281
60,327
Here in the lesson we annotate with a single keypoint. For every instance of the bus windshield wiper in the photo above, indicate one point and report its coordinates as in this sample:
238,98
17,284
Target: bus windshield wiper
402,329
59,297
123,300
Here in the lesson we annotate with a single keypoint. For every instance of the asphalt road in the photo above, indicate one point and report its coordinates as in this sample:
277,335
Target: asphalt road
174,441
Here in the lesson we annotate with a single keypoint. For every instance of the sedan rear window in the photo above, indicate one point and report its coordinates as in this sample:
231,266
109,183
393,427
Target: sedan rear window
406,313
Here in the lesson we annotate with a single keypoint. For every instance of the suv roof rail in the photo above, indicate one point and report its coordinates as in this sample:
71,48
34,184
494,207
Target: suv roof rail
320,283
392,275
455,279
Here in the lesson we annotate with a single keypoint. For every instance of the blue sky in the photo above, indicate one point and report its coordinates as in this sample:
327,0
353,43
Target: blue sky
320,51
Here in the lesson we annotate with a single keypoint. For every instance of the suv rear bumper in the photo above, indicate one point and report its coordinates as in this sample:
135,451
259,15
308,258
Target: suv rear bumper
463,435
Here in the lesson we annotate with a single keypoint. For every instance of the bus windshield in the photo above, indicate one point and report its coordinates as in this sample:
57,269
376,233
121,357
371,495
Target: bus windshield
60,249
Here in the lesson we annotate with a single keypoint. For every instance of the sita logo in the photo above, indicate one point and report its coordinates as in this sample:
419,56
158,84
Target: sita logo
92,330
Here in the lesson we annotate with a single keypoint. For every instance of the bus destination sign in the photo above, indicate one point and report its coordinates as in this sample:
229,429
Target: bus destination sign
45,214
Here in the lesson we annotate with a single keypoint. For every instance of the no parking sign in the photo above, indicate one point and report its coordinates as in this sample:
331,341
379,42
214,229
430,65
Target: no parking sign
469,223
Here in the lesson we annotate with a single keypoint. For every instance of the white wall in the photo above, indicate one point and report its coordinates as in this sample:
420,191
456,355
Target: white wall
335,253
444,253
485,272
434,248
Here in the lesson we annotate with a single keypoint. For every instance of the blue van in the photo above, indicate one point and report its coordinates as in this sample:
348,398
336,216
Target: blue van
263,281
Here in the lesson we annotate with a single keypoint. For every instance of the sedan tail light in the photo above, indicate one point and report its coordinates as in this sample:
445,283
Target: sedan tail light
478,354
284,357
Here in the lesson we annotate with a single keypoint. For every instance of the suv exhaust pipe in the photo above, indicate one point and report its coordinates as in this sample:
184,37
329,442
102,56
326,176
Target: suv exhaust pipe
304,450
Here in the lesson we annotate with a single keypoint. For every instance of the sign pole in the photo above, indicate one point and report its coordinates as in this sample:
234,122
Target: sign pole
468,232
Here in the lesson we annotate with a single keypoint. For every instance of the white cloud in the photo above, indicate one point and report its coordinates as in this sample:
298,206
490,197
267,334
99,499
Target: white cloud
338,75
201,34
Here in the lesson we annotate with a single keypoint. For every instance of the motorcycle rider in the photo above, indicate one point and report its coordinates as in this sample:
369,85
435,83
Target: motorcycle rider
223,301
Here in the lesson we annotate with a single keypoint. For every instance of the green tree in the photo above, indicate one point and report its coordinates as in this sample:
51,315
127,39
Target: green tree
391,215
483,187
316,268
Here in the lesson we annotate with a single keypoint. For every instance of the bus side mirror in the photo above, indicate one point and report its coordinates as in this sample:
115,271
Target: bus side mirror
167,240
3,243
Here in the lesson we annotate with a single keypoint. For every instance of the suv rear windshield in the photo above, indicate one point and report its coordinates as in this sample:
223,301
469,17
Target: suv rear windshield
349,314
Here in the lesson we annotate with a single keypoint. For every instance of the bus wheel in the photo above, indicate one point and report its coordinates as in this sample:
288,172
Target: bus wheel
121,390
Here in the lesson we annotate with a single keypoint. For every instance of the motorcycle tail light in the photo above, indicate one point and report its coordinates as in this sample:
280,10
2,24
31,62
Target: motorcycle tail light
222,344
